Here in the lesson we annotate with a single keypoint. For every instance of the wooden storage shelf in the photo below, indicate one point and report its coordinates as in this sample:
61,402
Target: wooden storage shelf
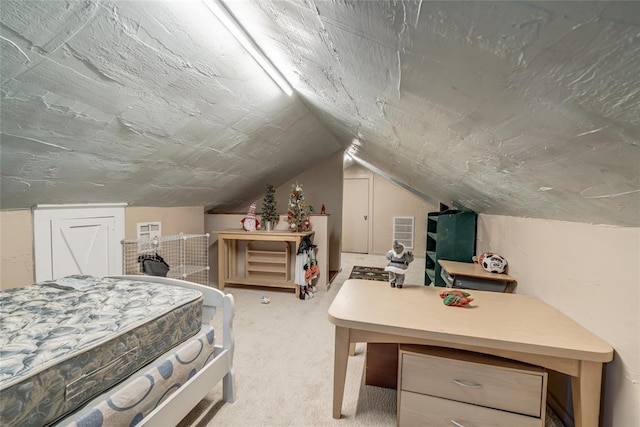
451,235
261,281
266,266
258,270
266,260
267,257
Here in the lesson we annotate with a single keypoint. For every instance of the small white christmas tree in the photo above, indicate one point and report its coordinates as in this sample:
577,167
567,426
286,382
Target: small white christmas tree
298,213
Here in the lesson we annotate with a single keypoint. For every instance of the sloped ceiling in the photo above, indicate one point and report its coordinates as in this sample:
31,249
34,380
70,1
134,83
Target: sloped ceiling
515,108
147,102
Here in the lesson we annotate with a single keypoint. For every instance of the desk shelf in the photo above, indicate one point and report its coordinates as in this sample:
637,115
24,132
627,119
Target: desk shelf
261,281
267,265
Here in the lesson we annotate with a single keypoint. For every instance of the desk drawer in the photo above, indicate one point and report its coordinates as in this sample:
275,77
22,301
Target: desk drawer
473,283
477,379
421,410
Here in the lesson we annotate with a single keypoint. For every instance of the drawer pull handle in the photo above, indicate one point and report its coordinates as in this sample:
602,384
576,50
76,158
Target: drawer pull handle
467,384
457,424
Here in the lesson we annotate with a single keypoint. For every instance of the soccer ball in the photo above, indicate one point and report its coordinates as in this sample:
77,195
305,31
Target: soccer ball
493,263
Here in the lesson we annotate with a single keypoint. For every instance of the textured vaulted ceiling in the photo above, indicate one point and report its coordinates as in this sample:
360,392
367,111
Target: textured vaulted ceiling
515,108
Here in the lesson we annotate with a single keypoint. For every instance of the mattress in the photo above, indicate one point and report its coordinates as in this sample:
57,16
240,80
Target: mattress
129,402
64,342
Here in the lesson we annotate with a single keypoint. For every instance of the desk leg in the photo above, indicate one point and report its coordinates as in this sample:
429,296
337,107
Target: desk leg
586,394
222,262
232,258
341,356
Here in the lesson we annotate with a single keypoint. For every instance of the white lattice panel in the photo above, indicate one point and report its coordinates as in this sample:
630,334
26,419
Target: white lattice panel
186,254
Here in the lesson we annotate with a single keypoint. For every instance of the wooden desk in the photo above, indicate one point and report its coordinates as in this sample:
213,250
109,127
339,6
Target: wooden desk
513,326
227,254
470,275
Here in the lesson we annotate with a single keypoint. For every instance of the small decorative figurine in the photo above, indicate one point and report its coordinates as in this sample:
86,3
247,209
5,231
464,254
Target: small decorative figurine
250,222
323,211
399,260
456,298
491,262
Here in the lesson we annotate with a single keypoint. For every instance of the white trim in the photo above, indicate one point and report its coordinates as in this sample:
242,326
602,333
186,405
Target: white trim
80,205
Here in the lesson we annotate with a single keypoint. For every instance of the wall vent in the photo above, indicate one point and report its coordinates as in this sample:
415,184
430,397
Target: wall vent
149,230
403,230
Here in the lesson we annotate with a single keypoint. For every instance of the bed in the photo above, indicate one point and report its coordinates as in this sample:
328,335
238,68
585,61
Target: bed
121,350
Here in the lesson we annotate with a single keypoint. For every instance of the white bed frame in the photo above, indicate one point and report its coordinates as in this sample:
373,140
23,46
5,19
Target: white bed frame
180,403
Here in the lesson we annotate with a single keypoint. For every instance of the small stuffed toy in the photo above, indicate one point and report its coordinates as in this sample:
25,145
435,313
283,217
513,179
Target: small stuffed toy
399,259
491,262
250,222
456,298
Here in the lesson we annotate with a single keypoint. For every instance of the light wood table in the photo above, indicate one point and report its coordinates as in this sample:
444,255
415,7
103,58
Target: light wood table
228,248
513,326
481,278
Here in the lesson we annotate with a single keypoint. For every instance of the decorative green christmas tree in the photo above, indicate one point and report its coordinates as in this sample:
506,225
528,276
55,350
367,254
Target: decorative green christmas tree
298,213
269,212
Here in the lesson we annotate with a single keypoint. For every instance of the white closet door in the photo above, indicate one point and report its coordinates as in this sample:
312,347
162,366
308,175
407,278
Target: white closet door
78,239
355,215
81,246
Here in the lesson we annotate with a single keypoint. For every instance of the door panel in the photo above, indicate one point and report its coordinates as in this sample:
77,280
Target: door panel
81,246
355,215
79,249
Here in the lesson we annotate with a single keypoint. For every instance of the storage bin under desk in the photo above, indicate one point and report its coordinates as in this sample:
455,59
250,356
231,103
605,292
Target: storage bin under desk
439,386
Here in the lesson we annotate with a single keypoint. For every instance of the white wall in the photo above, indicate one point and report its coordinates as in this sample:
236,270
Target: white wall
181,219
592,274
16,249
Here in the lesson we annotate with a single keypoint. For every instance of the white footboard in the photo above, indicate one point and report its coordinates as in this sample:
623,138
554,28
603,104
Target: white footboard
178,405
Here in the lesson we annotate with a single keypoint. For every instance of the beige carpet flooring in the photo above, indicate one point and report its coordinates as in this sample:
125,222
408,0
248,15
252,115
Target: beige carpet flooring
284,362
